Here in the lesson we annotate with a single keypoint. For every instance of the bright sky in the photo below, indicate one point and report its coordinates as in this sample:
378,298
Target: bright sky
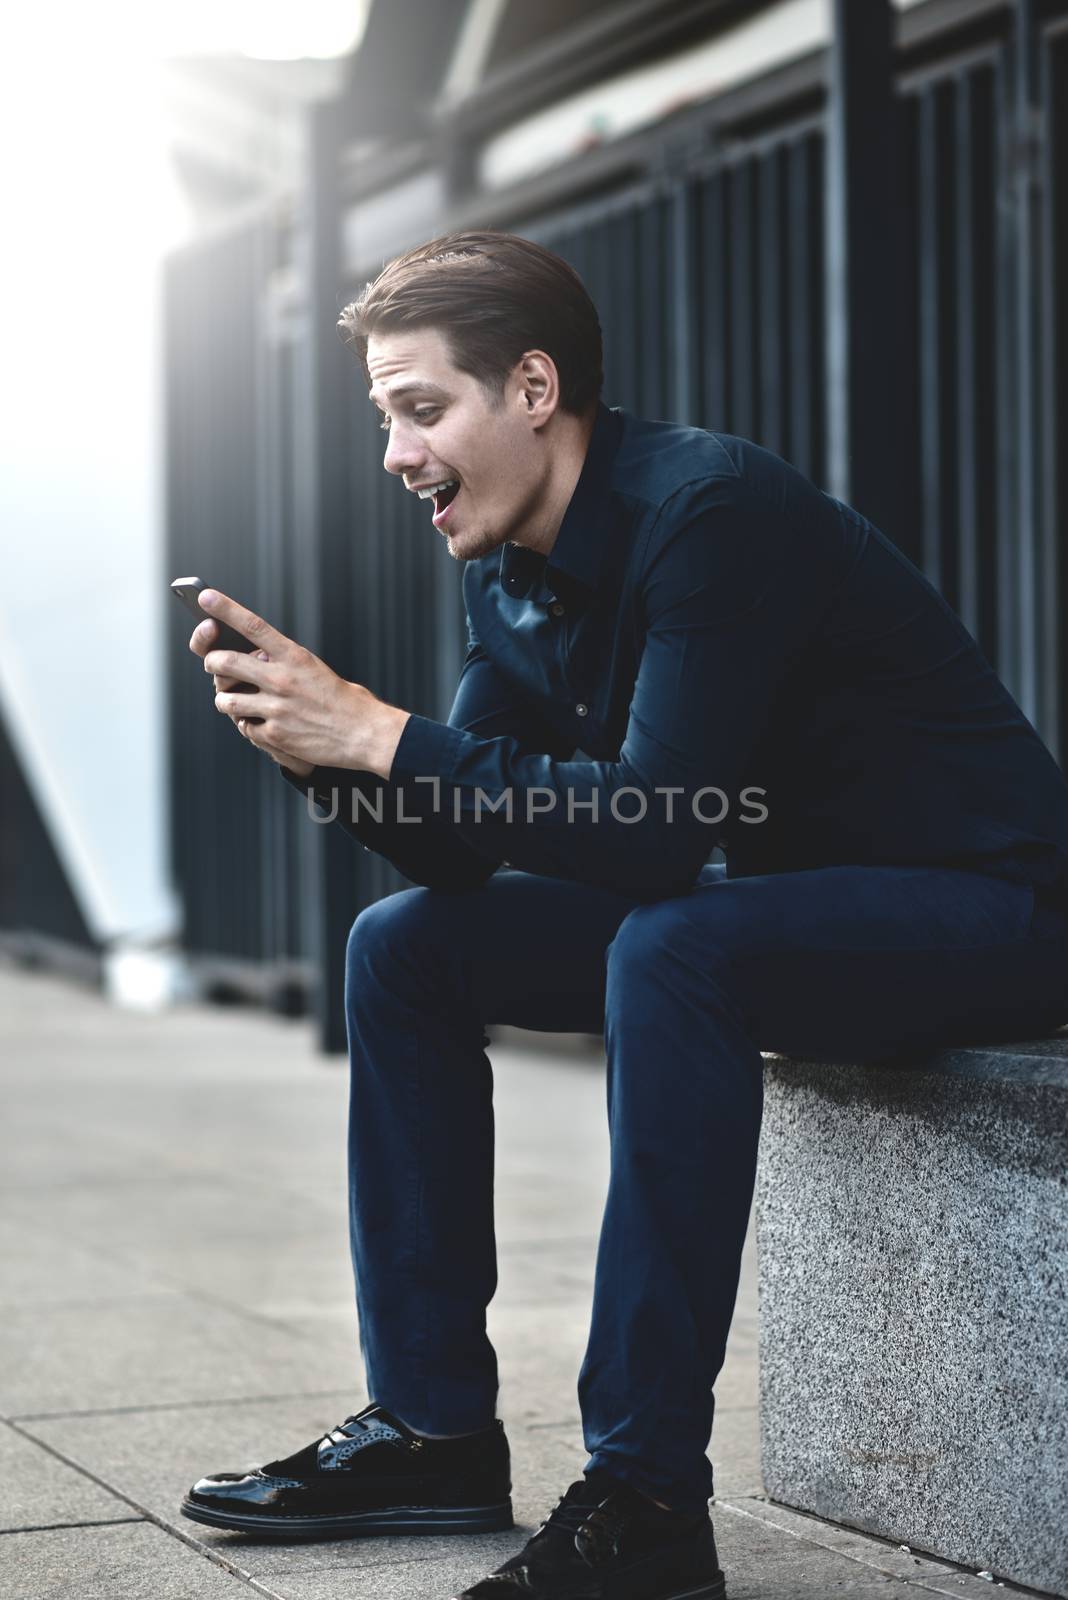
81,113
90,207
270,29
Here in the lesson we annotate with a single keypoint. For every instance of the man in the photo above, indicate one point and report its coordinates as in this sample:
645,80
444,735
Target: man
675,642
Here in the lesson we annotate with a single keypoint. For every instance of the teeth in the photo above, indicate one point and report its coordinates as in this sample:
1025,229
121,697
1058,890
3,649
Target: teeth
436,488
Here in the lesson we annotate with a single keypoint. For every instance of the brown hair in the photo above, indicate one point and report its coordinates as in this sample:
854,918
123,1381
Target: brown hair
494,296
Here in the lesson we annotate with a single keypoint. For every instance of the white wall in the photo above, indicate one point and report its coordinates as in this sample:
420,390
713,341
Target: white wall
89,209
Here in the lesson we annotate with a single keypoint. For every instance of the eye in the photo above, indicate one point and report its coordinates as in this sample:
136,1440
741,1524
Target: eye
421,414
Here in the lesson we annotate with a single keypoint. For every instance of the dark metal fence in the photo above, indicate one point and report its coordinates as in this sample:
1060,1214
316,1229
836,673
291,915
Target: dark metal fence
236,844
707,256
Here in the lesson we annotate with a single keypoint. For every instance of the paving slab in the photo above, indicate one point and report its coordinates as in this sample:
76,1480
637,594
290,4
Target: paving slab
148,1218
39,1267
181,1302
130,1561
539,1273
309,1276
152,1457
38,1491
789,1542
734,1450
152,1351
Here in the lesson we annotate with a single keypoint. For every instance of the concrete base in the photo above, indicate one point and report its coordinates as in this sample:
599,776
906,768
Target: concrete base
912,1236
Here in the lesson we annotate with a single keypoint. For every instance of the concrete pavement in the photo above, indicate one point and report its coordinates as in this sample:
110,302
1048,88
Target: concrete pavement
177,1300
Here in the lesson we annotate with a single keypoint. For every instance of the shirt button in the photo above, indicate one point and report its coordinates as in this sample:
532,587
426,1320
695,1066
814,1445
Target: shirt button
557,609
581,710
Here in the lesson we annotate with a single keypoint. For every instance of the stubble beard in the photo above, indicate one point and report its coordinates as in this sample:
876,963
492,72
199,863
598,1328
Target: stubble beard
473,544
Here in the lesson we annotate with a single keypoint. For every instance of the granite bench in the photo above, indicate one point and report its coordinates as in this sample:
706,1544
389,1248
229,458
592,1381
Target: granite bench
912,1237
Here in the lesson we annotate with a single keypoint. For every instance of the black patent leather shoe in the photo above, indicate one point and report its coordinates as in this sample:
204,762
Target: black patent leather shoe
605,1541
369,1475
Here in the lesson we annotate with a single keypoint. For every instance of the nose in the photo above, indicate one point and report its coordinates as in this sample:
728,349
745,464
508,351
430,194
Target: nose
404,452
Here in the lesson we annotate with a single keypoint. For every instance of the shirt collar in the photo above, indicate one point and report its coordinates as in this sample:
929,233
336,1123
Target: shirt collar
572,567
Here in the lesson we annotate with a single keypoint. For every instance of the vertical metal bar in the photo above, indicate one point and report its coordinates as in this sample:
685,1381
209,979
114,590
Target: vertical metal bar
1009,637
267,469
1051,564
983,245
1026,200
323,408
596,280
930,314
649,308
817,233
683,297
662,218
625,308
644,313
973,194
1055,99
802,290
861,335
938,180
743,291
770,322
714,289
966,340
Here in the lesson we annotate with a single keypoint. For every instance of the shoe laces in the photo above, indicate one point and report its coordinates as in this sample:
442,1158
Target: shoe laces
599,1521
351,1426
372,1420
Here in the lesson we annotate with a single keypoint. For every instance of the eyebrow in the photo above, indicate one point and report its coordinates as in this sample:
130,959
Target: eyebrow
414,386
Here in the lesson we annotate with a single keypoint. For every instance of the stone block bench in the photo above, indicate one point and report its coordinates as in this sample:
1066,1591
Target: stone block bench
912,1237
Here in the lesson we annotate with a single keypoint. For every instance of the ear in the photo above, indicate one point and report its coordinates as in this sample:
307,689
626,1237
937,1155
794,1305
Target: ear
538,386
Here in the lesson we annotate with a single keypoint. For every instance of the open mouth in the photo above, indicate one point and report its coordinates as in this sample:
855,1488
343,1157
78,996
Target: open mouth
443,499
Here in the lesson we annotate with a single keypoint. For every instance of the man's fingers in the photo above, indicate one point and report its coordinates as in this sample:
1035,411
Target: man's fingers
281,758
239,704
203,637
241,668
222,684
247,623
253,732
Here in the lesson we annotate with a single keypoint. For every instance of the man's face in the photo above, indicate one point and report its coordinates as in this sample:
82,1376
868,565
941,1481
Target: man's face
445,428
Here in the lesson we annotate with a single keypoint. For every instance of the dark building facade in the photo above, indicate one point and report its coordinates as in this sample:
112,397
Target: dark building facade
855,257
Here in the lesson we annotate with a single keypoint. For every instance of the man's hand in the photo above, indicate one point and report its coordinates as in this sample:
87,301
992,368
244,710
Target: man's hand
200,643
311,717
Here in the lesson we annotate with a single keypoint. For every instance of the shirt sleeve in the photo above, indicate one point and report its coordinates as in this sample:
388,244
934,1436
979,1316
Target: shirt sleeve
724,611
400,817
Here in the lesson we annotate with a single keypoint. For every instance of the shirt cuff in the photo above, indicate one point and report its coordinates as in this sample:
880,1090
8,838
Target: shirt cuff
305,783
322,781
426,749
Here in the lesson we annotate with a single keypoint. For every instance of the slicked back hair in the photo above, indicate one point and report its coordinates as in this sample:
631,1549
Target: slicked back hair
493,296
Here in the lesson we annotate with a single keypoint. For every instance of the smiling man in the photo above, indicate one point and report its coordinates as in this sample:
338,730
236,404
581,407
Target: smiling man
674,642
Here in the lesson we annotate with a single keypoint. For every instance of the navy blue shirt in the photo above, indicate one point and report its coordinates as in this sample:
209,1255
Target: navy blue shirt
714,653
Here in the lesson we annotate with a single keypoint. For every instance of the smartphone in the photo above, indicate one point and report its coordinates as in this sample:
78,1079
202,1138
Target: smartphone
187,590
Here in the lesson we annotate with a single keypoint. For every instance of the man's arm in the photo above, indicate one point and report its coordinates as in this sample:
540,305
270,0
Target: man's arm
725,604
432,851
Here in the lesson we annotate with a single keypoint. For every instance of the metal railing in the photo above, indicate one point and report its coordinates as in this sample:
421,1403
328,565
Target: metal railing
705,249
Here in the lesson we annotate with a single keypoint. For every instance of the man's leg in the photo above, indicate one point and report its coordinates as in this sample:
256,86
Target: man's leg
848,962
426,971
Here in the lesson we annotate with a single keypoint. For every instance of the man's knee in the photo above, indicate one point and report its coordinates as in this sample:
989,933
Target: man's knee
648,934
664,940
394,931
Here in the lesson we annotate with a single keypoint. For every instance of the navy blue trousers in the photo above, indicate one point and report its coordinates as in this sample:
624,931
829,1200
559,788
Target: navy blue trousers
850,963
